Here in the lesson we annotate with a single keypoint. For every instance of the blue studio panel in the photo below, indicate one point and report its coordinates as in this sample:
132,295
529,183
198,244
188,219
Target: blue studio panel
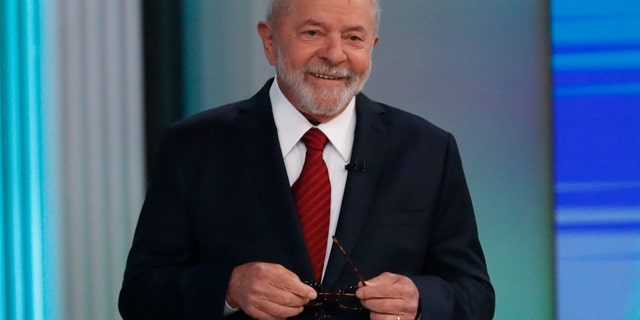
596,77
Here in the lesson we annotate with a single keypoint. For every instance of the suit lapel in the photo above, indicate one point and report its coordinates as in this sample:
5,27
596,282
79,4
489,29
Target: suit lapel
369,146
258,134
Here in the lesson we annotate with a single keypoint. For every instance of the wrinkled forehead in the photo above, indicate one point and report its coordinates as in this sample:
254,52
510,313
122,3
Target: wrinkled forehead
281,8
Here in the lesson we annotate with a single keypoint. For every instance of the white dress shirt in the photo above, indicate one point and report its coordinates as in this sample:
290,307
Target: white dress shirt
292,125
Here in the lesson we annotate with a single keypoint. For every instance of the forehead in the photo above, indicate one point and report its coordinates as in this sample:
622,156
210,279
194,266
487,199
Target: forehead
332,12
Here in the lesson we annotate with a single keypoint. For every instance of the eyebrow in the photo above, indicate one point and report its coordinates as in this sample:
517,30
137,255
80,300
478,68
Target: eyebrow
316,23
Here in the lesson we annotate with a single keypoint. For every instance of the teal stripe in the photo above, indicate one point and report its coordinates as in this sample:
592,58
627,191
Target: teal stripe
4,292
14,285
23,161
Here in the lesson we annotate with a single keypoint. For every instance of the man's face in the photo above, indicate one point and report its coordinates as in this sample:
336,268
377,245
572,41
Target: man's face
322,53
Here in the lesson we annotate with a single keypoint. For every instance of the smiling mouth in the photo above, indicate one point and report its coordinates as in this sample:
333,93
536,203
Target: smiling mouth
327,77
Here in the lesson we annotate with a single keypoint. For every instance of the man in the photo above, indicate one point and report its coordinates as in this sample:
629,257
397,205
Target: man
223,230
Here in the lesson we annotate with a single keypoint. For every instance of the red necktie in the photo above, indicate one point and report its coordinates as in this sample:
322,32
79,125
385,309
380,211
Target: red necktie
312,193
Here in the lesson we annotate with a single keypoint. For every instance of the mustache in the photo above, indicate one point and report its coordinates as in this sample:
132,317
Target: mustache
323,69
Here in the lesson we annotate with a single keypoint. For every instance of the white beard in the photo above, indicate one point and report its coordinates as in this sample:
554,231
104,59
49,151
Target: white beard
318,100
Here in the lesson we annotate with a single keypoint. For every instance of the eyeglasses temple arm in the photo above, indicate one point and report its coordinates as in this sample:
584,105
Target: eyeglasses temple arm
346,256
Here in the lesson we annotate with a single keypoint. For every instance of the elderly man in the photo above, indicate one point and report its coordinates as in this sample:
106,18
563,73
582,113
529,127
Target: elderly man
244,199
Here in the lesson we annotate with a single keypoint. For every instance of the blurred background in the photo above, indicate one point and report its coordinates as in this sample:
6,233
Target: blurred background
542,96
596,111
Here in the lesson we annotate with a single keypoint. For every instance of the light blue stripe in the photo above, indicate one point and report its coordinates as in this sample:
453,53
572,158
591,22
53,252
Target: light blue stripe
36,159
598,90
591,8
597,31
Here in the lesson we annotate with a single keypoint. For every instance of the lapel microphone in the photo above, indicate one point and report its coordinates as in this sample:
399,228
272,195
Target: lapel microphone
355,166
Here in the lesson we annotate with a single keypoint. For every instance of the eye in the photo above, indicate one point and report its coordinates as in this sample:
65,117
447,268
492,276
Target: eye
354,38
311,33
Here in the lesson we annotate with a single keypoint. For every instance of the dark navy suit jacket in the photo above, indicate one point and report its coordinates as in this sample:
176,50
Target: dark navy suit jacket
219,197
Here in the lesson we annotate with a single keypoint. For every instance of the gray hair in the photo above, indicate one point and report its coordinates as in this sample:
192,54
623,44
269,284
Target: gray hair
279,8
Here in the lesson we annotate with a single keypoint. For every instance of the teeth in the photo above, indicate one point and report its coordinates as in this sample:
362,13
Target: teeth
325,77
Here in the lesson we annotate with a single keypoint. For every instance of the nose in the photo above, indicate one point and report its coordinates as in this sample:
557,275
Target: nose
333,51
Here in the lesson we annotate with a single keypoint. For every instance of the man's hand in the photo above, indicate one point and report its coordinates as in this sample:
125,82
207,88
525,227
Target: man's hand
267,291
390,296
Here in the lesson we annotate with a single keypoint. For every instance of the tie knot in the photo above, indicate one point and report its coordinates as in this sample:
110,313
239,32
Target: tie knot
314,139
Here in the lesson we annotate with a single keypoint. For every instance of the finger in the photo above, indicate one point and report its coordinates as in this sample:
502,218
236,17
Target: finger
290,282
263,300
257,282
383,279
287,298
279,277
282,278
388,285
406,305
390,294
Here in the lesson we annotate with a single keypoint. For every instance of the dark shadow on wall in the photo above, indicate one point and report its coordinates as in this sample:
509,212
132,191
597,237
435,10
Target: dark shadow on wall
163,69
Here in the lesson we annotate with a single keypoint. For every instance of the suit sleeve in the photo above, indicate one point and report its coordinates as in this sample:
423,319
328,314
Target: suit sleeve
163,279
456,283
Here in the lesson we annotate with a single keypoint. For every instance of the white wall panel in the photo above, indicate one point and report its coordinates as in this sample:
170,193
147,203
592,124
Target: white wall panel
100,149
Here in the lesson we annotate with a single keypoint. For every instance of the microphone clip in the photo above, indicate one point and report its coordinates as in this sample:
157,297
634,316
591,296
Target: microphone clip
355,166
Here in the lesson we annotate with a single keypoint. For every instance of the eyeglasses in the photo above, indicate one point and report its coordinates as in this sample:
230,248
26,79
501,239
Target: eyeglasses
343,299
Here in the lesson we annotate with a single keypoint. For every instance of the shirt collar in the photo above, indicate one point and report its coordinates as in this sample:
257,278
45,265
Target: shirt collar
292,125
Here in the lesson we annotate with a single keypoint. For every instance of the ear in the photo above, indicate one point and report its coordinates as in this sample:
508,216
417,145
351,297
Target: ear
375,41
266,34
